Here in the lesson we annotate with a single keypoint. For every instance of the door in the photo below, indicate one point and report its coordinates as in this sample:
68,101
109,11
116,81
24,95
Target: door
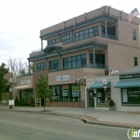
91,98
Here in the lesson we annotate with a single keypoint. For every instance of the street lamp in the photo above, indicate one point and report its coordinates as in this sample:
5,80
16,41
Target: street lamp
10,90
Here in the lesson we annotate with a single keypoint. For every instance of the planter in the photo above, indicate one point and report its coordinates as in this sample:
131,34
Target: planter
112,108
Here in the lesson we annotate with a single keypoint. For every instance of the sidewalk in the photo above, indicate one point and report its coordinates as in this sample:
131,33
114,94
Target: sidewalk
89,115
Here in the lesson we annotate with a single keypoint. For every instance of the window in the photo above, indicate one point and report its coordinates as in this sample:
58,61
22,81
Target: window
99,58
134,35
53,41
74,61
53,64
26,95
131,96
65,93
88,33
135,61
40,66
66,38
111,31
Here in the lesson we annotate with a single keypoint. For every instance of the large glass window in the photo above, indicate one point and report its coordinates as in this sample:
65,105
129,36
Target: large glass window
88,33
66,38
111,31
99,59
131,96
40,66
53,41
26,95
134,35
53,64
65,93
74,61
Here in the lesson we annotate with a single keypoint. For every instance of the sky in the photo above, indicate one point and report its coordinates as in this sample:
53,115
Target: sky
22,20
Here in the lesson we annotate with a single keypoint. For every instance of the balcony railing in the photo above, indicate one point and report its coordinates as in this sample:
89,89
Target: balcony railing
97,66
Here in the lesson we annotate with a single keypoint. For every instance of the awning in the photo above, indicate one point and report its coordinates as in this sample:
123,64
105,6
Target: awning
23,87
128,83
99,85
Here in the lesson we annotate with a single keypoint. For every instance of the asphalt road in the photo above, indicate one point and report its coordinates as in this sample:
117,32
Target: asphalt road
39,126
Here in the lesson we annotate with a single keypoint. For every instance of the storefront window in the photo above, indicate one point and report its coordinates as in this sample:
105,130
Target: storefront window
65,93
75,93
56,93
131,96
103,95
26,95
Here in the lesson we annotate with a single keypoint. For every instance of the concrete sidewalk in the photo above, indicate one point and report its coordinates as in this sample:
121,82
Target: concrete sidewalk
89,115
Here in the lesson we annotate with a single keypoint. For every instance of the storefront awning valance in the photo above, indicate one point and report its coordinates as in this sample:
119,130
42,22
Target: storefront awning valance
23,87
99,85
128,83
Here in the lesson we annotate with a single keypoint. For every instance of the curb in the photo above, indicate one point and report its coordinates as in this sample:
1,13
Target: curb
97,122
82,118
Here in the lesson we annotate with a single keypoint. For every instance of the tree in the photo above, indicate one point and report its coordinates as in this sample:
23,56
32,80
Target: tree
43,89
3,81
17,65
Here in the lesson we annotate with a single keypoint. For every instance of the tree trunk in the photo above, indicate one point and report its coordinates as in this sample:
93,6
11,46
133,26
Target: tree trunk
44,103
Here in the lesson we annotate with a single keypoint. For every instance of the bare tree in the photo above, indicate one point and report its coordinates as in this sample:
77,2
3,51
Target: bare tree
16,65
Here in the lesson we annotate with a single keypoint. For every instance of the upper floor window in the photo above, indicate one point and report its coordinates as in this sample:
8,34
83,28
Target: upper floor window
134,35
53,41
40,66
74,61
111,31
99,58
135,61
66,38
88,33
53,64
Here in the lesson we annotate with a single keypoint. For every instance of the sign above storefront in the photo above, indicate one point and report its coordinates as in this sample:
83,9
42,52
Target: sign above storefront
25,82
62,78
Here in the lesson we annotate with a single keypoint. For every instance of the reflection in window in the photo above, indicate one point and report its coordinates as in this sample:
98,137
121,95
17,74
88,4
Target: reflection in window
88,33
131,96
53,41
66,38
65,93
53,64
74,61
40,66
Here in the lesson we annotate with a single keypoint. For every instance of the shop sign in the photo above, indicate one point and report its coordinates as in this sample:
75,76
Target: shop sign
25,82
65,86
125,98
62,78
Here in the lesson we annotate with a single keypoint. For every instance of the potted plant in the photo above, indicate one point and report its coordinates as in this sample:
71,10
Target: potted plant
111,105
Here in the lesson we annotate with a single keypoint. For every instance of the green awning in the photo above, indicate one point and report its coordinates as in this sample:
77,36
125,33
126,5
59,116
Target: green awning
128,83
99,85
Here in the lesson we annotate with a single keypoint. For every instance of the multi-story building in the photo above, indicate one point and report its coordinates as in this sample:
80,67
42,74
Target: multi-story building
85,46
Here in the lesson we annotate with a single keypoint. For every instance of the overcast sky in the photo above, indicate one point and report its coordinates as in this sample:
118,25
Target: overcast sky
22,20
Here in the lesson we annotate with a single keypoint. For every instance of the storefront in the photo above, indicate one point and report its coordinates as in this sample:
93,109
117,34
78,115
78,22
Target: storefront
66,93
130,89
24,90
101,92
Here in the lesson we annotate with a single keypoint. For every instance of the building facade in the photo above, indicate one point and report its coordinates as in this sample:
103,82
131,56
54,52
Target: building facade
89,45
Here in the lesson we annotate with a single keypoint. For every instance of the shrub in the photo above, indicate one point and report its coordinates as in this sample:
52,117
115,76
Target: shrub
16,101
111,103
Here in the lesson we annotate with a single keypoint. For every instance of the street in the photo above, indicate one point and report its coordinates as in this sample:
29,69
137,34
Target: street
15,125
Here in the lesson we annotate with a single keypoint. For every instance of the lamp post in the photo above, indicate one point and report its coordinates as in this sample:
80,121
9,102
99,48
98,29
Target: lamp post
10,90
